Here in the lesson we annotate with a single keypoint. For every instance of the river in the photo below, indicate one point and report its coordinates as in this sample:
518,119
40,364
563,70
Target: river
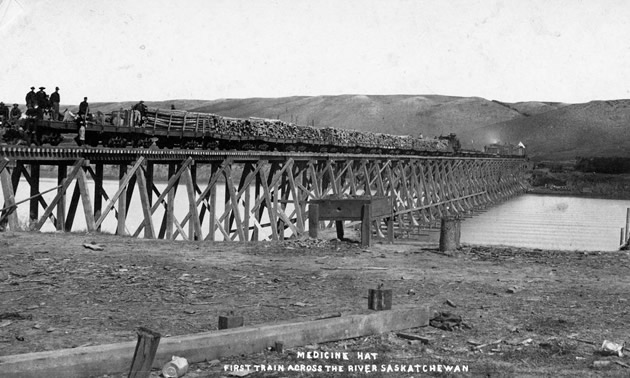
550,222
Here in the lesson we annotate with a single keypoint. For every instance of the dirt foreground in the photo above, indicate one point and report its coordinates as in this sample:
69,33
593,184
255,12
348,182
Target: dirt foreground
524,313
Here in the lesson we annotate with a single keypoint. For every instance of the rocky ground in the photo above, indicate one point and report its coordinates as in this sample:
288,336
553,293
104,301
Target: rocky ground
525,313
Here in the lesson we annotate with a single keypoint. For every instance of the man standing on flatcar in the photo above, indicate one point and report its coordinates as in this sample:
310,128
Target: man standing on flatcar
81,125
42,102
139,112
55,99
40,98
84,107
30,99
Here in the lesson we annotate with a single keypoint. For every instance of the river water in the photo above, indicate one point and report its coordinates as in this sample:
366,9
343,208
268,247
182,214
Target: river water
534,221
550,222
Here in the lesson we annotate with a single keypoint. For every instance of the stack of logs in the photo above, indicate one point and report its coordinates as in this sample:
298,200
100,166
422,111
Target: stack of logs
275,129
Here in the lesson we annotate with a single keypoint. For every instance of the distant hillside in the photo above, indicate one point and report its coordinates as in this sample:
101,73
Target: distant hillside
597,128
397,114
549,130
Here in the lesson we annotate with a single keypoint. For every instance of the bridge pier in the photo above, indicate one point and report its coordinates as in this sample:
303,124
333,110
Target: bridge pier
265,195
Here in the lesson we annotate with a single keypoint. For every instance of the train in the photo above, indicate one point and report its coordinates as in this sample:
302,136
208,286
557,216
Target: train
172,129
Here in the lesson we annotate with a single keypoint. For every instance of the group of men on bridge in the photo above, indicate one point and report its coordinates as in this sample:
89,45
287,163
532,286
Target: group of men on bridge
39,103
9,116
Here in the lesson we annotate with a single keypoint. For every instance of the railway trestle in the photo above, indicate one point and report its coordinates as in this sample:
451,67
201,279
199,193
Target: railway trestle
235,196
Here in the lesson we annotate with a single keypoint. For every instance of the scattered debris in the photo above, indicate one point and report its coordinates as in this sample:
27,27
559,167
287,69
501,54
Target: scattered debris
410,336
448,322
175,368
611,349
328,316
488,344
513,289
15,316
93,246
622,364
600,364
450,303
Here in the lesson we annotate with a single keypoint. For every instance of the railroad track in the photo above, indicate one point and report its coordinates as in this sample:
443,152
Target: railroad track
127,154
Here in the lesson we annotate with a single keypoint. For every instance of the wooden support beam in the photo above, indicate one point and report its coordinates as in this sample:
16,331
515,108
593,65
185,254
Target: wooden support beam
72,209
98,191
116,358
121,189
75,170
4,162
172,184
9,200
86,201
145,202
230,194
149,181
191,184
122,199
257,214
212,211
34,184
195,226
16,174
130,189
170,203
62,172
36,196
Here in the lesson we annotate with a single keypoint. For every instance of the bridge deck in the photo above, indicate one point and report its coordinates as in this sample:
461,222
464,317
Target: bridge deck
131,154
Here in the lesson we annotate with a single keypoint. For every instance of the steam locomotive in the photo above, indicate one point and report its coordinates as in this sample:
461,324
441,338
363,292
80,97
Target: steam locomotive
192,130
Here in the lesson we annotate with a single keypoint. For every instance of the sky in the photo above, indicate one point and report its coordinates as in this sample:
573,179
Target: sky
509,50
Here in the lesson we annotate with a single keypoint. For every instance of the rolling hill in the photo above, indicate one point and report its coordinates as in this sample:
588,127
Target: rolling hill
596,128
549,130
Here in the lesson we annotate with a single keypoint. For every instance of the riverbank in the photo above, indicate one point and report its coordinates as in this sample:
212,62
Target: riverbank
530,312
564,180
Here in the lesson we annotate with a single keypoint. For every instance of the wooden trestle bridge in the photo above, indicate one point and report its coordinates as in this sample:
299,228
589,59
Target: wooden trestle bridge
265,195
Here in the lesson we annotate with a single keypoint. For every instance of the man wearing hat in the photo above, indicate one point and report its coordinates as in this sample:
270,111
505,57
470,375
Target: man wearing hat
30,99
40,98
55,99
16,113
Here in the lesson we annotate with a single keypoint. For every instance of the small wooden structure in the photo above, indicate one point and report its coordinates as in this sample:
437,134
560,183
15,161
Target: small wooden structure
363,208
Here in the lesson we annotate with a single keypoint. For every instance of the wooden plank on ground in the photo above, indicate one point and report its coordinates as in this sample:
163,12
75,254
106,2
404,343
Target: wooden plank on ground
116,358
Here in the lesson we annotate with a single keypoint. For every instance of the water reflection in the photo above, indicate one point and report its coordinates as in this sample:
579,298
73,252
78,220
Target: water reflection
550,222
